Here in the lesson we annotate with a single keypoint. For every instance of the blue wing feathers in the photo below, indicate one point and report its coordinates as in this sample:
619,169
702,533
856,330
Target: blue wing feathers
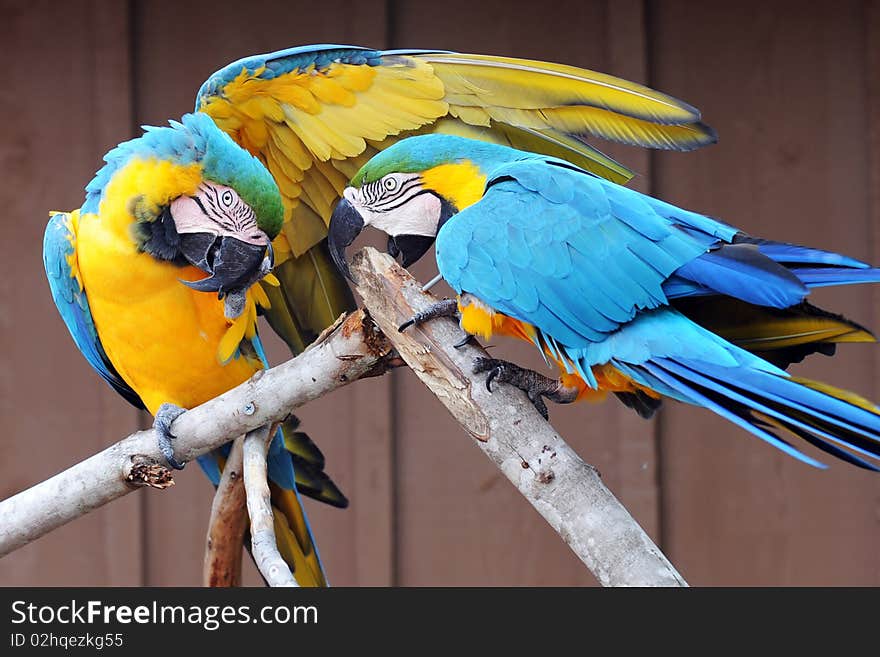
740,271
279,459
565,232
794,396
592,265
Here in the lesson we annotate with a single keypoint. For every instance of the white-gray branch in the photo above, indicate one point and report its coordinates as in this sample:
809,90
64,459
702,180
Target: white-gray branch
567,492
259,505
344,353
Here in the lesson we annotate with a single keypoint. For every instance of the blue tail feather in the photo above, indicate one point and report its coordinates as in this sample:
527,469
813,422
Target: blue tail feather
829,447
828,276
737,394
701,399
785,392
786,253
781,281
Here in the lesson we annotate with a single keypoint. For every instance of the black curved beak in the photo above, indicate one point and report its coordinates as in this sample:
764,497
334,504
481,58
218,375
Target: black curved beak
233,264
346,224
409,247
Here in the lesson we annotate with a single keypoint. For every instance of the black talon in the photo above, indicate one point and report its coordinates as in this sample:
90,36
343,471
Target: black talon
490,365
467,338
495,372
540,406
165,417
444,308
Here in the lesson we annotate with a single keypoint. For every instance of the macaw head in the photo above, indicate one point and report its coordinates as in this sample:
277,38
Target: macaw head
409,190
192,195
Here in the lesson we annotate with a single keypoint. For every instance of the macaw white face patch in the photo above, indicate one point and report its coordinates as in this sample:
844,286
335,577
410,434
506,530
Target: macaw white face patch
217,210
397,204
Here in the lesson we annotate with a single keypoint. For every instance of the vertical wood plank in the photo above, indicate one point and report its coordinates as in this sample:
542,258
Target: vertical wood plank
66,102
460,523
636,458
786,90
872,72
178,46
793,93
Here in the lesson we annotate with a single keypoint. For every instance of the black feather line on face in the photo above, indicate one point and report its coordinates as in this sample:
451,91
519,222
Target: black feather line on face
447,210
160,238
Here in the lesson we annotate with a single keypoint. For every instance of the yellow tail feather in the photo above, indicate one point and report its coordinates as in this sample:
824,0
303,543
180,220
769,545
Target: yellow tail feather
839,393
294,539
763,329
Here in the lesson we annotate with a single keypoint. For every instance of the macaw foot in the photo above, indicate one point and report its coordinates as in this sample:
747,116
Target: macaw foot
445,308
536,386
165,417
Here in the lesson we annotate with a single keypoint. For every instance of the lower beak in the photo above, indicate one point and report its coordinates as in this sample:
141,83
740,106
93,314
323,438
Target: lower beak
232,263
345,225
409,247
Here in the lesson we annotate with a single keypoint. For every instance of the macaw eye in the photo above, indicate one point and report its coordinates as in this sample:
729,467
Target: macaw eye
390,184
226,198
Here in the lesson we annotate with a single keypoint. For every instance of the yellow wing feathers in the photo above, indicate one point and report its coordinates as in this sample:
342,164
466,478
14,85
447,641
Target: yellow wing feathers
563,99
314,127
488,80
307,124
303,123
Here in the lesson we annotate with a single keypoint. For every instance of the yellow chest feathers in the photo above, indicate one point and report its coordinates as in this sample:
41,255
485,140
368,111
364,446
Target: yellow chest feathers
170,343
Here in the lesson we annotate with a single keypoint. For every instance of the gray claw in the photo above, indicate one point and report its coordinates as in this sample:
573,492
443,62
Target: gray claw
539,404
490,365
444,308
165,417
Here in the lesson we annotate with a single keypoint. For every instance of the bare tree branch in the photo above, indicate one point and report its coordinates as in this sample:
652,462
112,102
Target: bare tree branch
567,492
347,351
228,524
259,505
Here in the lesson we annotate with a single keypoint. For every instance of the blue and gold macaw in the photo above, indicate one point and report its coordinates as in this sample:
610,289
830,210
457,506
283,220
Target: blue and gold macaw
162,273
625,293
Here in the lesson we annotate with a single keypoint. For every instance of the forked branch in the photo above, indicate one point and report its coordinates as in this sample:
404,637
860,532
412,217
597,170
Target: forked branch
567,492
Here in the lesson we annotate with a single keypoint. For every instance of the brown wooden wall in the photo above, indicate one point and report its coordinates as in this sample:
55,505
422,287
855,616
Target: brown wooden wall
795,96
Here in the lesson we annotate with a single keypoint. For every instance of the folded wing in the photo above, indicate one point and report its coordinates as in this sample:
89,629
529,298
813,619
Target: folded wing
316,114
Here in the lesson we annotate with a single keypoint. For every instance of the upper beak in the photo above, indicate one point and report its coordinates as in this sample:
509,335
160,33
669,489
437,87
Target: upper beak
346,224
232,263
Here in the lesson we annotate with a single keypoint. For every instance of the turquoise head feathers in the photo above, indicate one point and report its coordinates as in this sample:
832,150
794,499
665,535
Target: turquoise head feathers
197,139
418,154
